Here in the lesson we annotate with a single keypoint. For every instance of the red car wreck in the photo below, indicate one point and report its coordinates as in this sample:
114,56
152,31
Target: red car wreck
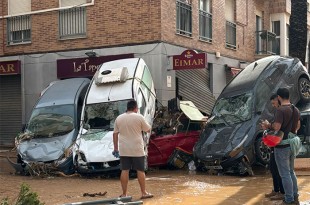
175,136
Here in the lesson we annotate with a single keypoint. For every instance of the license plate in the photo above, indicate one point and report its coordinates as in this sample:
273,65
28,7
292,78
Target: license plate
214,167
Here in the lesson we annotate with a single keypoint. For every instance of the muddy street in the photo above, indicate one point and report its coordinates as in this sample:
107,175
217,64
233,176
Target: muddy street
168,186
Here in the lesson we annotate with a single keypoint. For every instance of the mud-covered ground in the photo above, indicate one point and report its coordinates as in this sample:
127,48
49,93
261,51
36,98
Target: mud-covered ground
168,187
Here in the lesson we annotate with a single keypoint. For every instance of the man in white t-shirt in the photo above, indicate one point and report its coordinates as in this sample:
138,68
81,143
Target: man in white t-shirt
128,142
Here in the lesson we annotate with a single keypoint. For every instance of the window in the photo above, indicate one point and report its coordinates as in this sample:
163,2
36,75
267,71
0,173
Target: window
276,43
230,24
184,17
230,35
147,82
205,21
259,26
287,52
141,103
72,23
19,29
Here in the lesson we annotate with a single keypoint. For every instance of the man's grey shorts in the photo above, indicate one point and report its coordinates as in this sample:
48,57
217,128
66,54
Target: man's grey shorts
134,163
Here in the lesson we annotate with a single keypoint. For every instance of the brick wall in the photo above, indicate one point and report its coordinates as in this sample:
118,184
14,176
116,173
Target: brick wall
109,23
245,29
280,6
122,22
40,5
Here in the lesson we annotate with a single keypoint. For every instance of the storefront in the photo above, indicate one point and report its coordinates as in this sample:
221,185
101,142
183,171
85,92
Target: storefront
10,101
200,83
192,79
84,67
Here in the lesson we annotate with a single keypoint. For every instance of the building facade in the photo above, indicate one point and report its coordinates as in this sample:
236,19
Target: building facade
44,41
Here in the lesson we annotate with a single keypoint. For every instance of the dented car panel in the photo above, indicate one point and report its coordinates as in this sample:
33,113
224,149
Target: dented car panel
231,142
46,144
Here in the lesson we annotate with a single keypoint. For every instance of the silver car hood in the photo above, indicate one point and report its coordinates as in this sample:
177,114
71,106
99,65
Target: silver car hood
45,149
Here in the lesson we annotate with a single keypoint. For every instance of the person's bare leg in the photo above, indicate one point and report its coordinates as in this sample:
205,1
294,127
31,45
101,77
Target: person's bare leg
124,181
141,179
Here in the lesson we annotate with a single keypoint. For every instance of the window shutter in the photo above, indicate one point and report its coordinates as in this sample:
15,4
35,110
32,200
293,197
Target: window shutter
65,3
19,6
230,10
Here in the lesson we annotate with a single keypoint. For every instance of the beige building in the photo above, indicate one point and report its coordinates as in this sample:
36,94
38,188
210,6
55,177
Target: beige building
44,41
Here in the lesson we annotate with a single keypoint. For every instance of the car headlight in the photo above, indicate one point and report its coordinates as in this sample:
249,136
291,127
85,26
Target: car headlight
238,148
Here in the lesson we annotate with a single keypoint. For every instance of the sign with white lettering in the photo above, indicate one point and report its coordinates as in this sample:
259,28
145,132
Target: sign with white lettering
84,67
189,59
10,67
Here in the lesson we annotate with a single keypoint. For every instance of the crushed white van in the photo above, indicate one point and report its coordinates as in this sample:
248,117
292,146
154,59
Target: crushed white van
112,86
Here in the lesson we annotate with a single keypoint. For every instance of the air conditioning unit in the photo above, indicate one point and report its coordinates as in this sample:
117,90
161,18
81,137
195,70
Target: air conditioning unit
112,76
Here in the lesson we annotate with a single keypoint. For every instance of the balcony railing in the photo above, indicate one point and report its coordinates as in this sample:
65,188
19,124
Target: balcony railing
266,43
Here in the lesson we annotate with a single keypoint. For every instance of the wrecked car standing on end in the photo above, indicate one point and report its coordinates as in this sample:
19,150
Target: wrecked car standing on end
232,141
113,85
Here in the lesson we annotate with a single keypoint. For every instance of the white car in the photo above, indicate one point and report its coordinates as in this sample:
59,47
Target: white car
112,86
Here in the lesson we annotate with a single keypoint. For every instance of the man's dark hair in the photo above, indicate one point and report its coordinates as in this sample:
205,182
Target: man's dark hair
274,96
131,105
283,93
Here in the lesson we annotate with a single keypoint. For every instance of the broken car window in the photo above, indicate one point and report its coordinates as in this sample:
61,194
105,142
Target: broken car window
233,110
51,121
103,115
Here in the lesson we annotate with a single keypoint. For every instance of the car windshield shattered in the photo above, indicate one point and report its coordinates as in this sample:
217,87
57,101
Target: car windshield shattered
51,121
233,110
103,115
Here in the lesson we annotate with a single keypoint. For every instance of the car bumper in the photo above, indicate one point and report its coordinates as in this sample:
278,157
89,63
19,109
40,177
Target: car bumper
221,163
84,170
66,166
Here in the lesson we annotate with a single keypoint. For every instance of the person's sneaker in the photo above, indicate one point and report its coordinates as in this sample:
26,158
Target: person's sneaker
278,196
272,193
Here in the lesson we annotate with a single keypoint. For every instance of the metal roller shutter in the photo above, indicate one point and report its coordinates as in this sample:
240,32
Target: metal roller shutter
10,109
193,85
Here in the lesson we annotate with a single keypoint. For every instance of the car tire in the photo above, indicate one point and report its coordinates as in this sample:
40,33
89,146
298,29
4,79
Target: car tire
262,152
304,89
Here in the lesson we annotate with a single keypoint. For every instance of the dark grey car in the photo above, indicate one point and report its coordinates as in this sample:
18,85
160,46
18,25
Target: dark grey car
231,141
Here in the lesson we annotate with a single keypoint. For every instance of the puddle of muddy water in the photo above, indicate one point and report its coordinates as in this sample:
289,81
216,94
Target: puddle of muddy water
170,187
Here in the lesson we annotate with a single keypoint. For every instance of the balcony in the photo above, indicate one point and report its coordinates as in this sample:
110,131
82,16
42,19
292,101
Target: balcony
266,43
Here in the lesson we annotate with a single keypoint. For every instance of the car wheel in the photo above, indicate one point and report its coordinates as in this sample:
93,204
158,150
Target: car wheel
304,89
262,152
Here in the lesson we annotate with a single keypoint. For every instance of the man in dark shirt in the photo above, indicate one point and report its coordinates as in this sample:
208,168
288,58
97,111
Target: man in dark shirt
278,191
287,120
